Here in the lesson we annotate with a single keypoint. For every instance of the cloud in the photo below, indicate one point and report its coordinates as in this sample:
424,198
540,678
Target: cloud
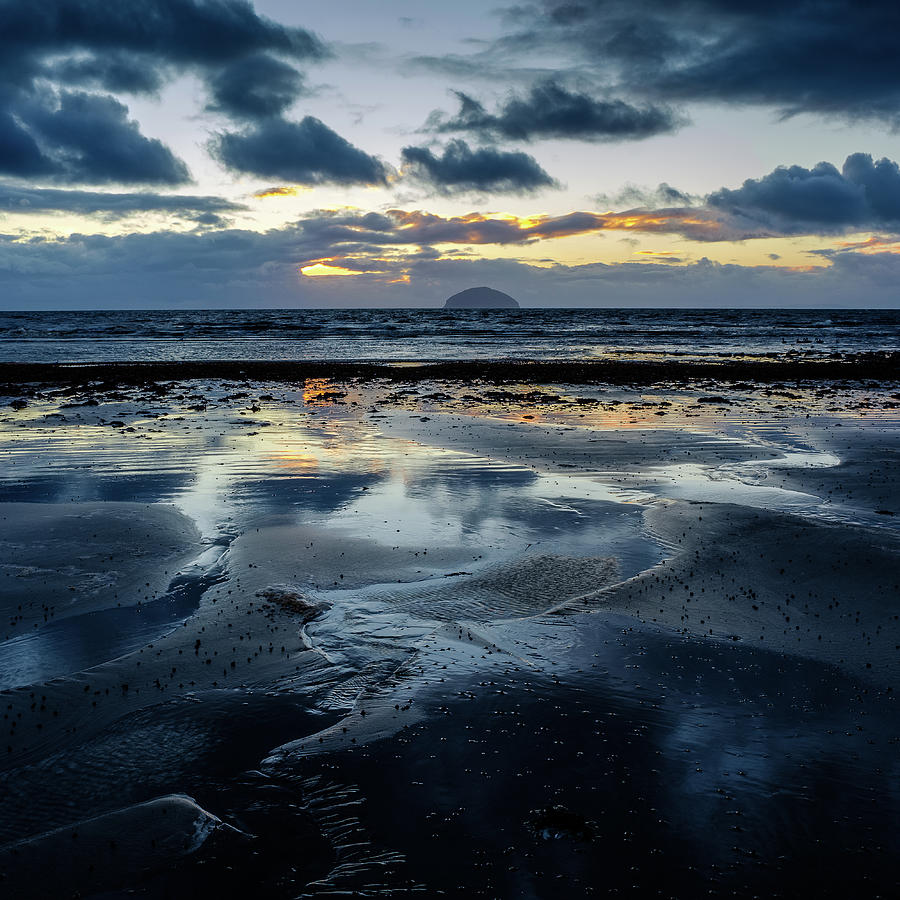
461,169
182,33
84,137
255,87
48,48
551,111
790,200
305,152
19,151
481,65
352,231
837,57
114,71
277,191
865,194
880,182
663,195
111,206
874,244
73,136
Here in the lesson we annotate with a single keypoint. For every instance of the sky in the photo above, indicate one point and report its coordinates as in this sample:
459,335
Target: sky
223,153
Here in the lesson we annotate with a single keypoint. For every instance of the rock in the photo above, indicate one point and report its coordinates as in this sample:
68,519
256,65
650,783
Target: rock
481,298
294,602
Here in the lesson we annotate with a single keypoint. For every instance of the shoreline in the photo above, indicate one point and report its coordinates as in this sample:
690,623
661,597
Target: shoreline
884,365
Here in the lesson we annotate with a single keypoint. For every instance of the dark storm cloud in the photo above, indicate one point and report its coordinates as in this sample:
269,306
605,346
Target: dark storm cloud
460,168
73,136
49,47
19,151
111,206
305,152
865,194
116,71
827,56
551,111
84,137
185,33
255,87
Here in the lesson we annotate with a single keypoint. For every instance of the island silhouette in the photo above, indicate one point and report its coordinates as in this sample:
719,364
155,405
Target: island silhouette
481,298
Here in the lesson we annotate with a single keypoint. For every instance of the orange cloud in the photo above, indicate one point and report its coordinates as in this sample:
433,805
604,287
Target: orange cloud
476,228
872,245
690,223
282,191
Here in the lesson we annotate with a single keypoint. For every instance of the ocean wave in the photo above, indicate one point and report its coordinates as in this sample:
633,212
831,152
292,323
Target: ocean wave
420,334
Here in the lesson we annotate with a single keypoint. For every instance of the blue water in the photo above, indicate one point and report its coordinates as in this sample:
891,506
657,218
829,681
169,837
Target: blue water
424,335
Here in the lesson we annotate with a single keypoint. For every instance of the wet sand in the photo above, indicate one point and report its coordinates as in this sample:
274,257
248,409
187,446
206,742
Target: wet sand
493,638
95,555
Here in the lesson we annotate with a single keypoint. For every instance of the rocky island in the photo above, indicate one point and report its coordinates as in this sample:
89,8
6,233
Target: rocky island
481,298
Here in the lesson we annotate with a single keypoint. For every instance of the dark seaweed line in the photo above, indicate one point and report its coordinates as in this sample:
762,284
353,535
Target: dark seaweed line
878,366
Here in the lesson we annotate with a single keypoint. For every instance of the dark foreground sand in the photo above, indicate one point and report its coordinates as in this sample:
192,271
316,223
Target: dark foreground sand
86,557
445,638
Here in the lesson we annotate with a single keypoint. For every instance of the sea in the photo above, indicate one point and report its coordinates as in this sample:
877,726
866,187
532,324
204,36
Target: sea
423,335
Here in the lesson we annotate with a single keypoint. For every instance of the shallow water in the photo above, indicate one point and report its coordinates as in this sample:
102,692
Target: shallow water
331,467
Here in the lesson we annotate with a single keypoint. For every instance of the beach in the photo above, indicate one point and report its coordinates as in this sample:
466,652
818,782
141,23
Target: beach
470,629
449,452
